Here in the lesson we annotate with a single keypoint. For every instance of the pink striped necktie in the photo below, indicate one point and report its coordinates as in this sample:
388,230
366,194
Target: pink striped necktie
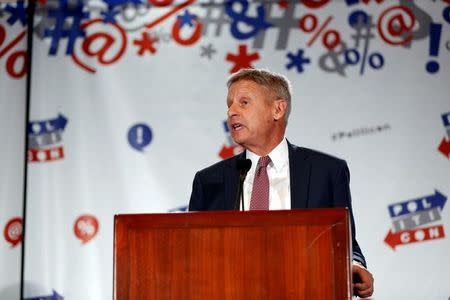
260,192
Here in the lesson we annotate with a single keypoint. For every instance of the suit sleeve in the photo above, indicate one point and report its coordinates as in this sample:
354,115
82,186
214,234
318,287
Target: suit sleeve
196,201
342,198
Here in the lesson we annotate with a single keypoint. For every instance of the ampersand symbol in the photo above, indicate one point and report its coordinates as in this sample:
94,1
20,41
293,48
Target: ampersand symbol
257,23
334,60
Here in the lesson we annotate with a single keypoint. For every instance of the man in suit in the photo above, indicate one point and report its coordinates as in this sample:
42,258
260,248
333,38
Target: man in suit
282,175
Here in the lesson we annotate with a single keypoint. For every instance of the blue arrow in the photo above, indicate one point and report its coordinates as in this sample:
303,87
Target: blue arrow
446,119
54,296
179,209
419,204
59,123
47,126
437,200
225,126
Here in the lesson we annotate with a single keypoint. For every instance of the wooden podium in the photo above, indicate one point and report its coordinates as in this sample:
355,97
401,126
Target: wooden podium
293,254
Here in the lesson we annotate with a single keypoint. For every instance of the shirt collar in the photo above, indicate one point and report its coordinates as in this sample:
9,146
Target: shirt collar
279,157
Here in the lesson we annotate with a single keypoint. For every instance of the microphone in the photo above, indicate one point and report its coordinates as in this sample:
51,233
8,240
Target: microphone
243,165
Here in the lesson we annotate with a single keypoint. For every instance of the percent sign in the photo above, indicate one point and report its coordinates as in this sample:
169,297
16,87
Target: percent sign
330,38
13,57
353,57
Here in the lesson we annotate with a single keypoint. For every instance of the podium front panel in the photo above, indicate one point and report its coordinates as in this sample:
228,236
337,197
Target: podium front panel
294,254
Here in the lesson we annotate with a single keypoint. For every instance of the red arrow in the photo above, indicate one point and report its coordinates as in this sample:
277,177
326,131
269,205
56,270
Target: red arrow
227,152
391,239
414,236
230,151
444,147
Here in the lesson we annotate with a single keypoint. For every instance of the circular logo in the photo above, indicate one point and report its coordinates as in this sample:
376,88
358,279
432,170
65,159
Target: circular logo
139,136
85,228
13,231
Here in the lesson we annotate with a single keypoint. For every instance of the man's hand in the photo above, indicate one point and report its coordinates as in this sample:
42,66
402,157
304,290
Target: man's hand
362,281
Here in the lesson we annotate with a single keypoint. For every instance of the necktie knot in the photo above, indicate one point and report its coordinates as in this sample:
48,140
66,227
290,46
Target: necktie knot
263,162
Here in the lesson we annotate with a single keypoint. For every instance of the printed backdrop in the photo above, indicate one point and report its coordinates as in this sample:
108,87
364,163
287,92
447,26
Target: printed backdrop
128,101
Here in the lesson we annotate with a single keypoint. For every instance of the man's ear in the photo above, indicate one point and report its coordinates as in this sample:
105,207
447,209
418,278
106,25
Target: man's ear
279,109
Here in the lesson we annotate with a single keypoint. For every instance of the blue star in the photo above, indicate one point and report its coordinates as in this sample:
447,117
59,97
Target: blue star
18,13
109,16
187,18
297,61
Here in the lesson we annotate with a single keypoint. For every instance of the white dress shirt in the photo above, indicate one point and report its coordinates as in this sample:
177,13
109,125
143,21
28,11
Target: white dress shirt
279,180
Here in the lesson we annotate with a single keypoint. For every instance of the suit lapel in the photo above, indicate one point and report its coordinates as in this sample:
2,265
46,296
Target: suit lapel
299,169
231,180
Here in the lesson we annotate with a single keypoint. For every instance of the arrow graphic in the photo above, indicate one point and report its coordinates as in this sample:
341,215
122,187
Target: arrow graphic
59,123
54,296
226,151
419,204
444,147
179,209
394,239
47,126
446,119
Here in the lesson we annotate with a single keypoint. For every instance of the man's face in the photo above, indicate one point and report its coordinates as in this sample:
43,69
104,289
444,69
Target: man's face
251,110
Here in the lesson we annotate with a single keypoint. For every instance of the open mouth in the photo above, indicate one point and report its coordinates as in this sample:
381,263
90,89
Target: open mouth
236,126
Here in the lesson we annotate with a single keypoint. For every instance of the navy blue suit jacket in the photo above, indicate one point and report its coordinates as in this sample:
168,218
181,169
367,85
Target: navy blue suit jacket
317,180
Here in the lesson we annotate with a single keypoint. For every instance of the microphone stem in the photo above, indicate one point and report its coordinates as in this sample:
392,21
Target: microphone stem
240,194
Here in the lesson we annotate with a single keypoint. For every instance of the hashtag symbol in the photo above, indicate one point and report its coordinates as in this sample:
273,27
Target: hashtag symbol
61,30
363,31
219,20
284,24
45,21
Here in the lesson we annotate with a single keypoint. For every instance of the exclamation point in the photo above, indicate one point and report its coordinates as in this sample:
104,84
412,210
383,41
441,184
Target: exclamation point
139,135
435,40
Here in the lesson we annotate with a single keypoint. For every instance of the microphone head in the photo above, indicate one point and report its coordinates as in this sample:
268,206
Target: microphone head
243,165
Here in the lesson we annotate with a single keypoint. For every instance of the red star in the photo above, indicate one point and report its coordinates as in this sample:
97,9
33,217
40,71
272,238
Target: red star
146,43
242,59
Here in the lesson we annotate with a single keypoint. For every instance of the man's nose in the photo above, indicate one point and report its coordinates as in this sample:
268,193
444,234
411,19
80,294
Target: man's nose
231,111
